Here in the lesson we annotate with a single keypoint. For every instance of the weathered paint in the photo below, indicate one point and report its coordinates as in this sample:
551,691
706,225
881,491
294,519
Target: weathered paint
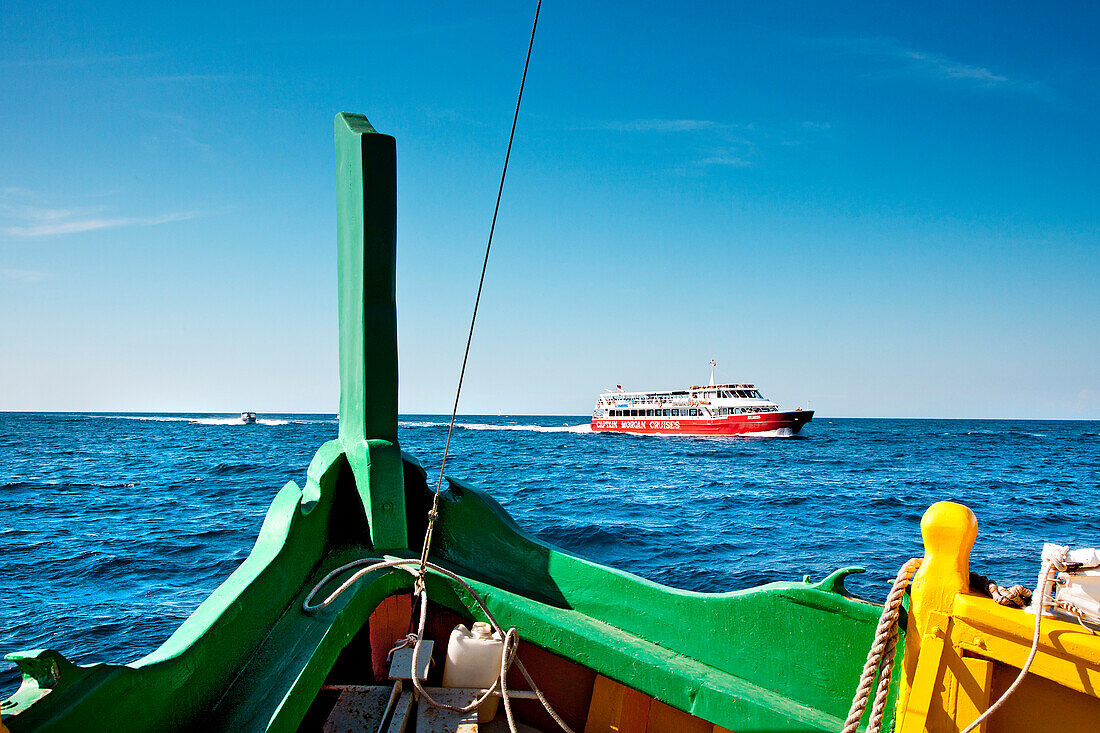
782,657
962,650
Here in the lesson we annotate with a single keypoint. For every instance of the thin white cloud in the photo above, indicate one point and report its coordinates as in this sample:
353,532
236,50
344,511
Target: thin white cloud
668,125
721,144
27,276
660,125
894,57
946,68
731,160
76,226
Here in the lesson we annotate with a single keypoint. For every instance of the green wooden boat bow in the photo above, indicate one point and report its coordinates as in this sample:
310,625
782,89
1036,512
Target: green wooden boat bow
785,656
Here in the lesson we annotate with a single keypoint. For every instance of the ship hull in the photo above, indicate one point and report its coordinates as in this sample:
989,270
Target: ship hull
779,423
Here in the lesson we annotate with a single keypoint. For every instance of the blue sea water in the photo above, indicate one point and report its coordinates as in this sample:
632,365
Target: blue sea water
115,527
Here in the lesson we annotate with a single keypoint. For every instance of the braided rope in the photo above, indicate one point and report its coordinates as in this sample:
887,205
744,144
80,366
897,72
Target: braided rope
882,690
1016,596
886,637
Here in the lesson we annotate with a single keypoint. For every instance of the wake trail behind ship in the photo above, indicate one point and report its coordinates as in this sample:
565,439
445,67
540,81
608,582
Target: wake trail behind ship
576,429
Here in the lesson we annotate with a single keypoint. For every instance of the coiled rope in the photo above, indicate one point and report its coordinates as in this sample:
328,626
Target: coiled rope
880,658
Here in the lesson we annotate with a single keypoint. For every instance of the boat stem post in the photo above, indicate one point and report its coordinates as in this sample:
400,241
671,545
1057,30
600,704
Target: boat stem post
366,231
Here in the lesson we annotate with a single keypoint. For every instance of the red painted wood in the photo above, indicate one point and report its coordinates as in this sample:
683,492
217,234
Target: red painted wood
388,623
567,685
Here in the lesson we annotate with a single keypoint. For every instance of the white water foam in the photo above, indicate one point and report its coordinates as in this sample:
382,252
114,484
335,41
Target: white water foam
577,429
206,420
777,433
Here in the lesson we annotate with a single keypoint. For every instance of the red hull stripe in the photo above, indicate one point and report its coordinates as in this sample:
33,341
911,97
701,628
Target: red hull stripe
760,422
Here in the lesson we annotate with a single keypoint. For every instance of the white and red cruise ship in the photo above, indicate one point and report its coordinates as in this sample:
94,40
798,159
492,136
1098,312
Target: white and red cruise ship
712,409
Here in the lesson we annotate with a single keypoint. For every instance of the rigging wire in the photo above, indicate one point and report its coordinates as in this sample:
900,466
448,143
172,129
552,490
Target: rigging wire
477,300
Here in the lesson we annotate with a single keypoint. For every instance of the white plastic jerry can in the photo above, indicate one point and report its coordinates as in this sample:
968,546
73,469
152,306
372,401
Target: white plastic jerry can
473,661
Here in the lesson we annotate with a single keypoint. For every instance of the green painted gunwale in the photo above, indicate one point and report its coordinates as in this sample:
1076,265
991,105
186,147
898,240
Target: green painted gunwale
781,657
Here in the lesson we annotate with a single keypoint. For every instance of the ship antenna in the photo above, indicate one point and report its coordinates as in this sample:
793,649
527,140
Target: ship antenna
477,301
713,365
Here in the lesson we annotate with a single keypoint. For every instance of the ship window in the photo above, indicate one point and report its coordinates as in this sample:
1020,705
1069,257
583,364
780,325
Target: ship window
667,413
676,413
649,413
722,412
694,412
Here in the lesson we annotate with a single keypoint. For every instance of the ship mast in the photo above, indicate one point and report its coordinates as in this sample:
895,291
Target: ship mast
712,367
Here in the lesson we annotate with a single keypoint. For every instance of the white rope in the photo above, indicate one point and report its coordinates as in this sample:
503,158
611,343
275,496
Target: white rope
1051,564
510,636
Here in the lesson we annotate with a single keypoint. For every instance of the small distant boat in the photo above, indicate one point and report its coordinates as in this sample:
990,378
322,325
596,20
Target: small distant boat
248,418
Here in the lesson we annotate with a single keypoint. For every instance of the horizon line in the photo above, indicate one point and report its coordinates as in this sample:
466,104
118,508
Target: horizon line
514,414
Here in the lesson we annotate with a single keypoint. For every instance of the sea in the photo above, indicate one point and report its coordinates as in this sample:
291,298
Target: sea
114,527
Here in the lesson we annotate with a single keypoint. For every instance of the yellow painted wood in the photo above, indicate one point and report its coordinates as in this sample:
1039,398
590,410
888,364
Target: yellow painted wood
973,695
962,650
1068,654
606,706
616,708
1040,705
923,696
949,531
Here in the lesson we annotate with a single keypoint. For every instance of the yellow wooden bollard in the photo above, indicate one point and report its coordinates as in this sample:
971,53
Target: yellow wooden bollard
949,531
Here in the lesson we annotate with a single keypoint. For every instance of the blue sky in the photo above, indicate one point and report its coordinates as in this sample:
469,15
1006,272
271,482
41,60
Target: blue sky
884,211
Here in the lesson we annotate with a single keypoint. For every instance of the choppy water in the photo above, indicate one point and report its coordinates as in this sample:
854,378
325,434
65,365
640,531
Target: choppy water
115,527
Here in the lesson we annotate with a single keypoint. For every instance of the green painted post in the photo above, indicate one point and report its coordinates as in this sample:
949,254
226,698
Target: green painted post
366,232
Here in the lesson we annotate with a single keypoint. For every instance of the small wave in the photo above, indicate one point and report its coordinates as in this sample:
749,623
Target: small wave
1006,433
777,433
577,429
208,420
235,468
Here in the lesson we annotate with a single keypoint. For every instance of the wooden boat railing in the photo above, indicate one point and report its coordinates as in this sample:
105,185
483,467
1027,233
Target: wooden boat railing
963,650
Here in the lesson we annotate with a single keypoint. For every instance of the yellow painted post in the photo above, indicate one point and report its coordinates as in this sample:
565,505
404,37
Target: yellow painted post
974,692
949,531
